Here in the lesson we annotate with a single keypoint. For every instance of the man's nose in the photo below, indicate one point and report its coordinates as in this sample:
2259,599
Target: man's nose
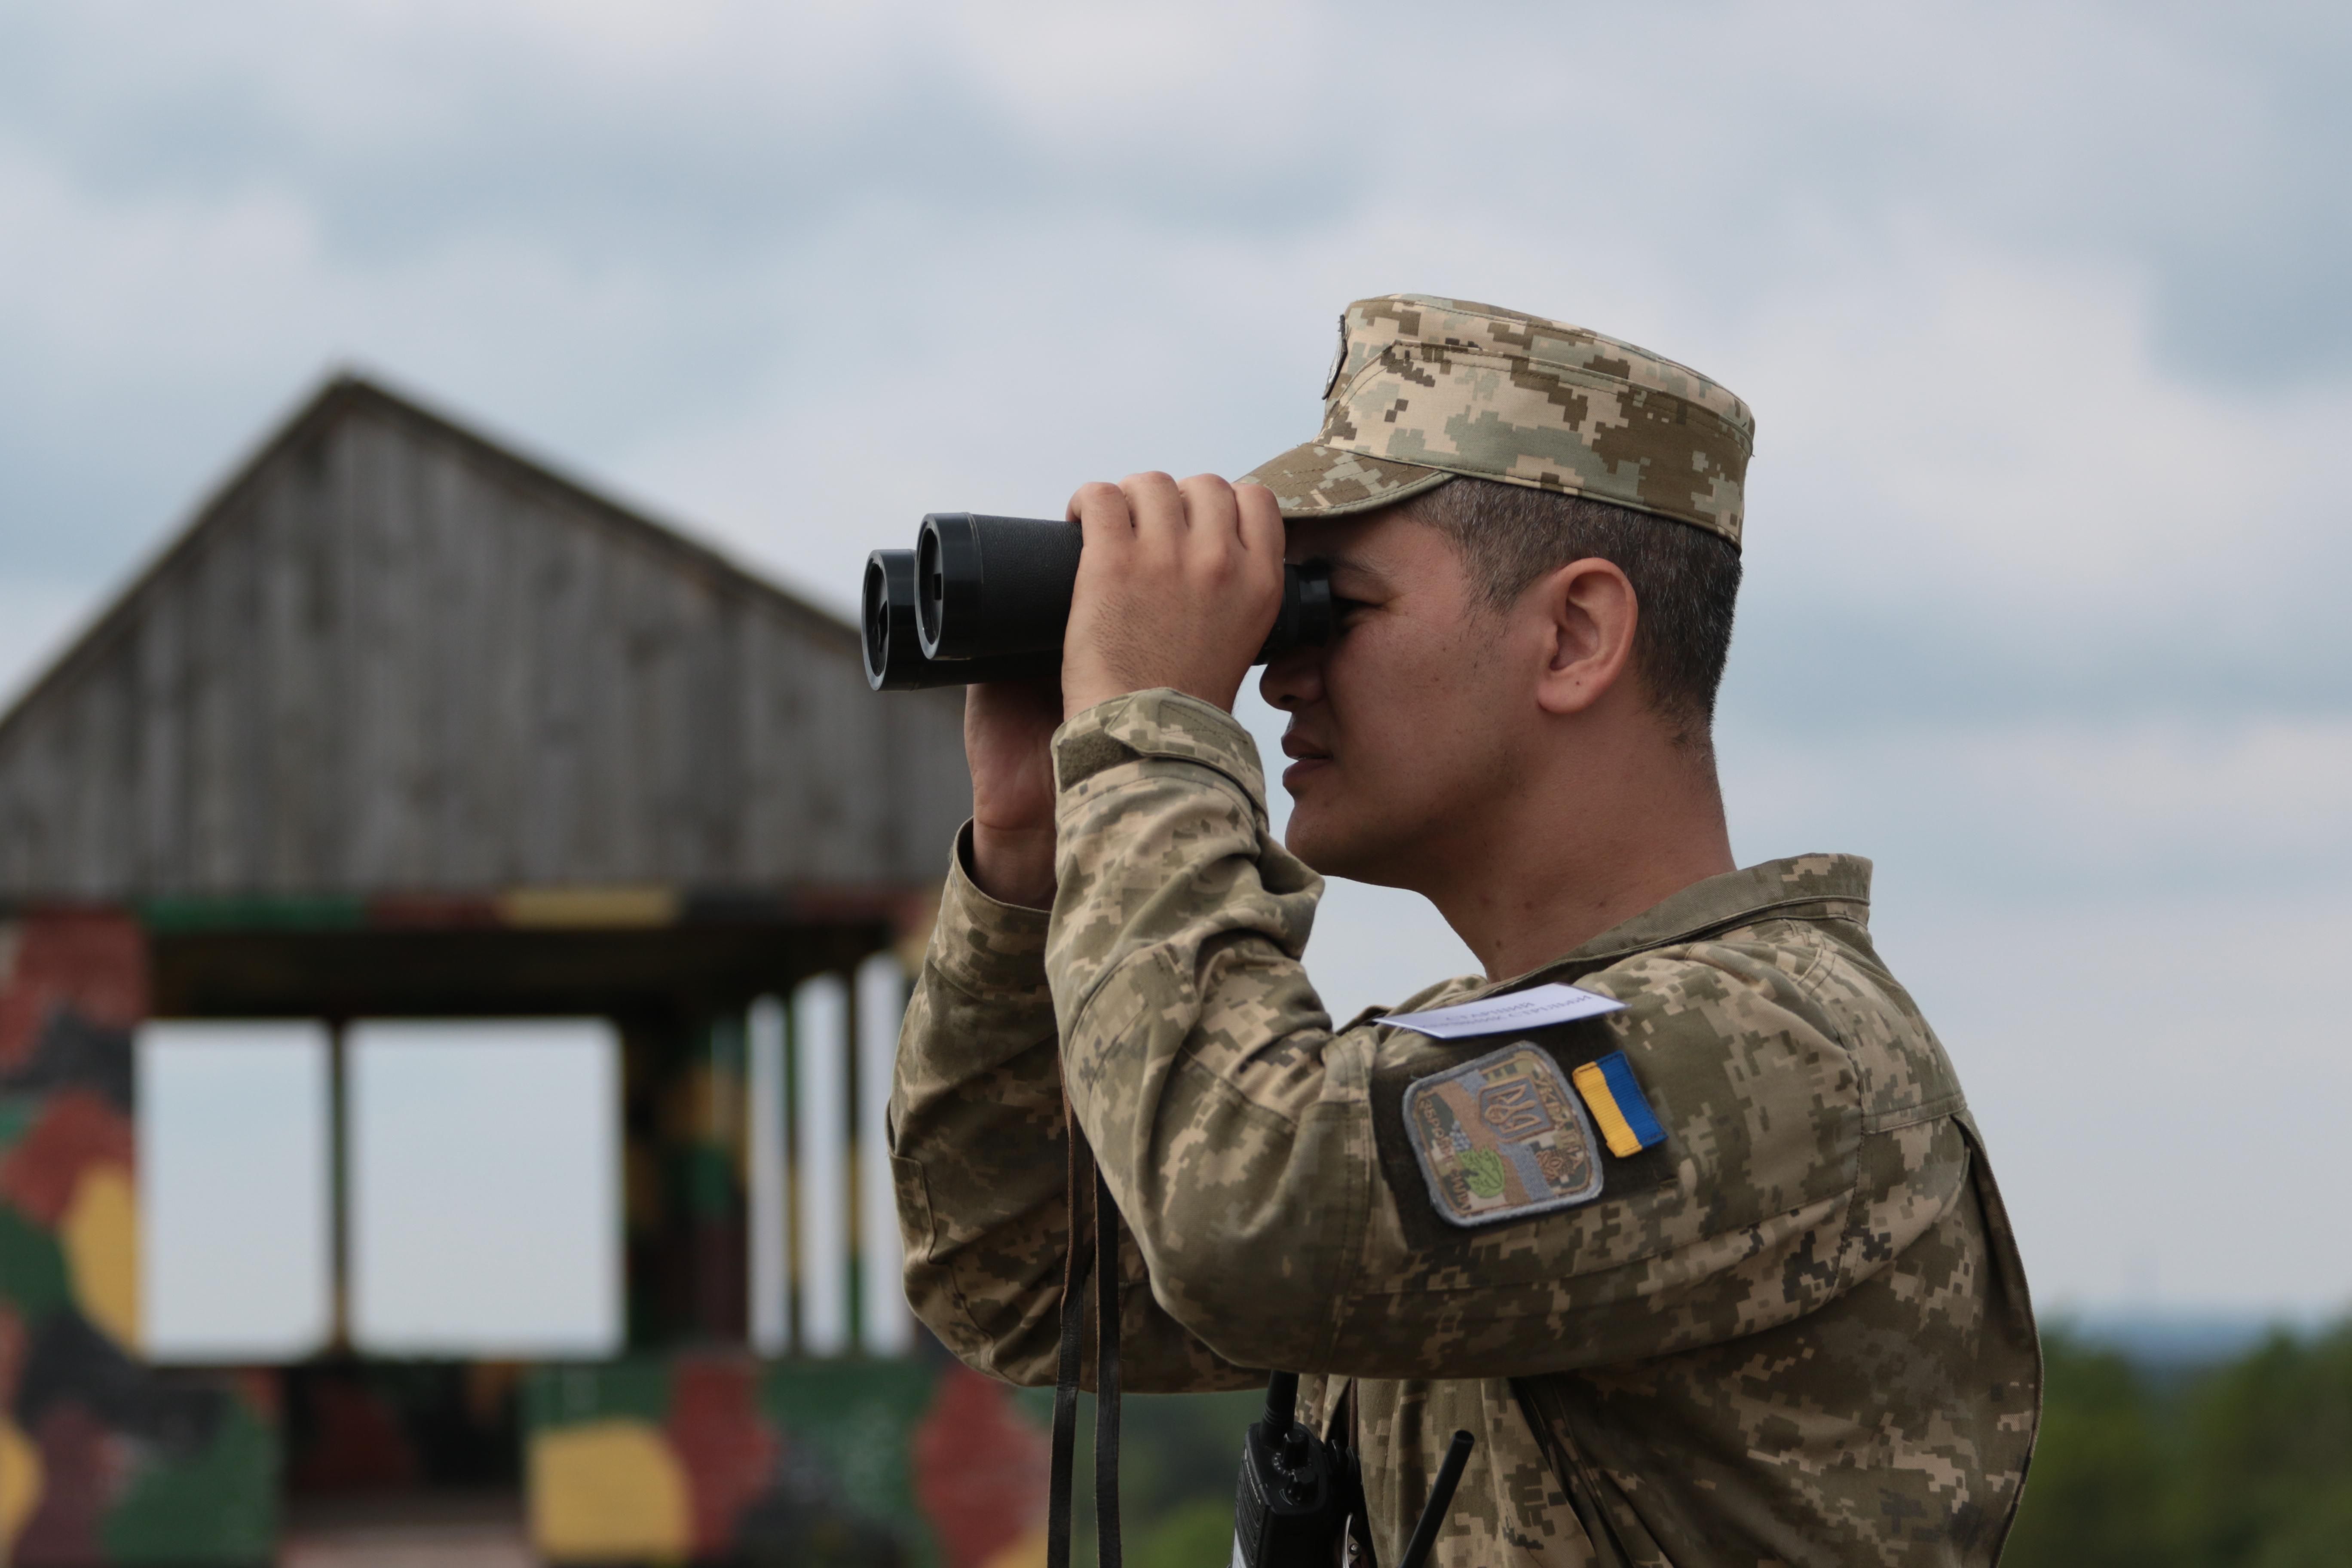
1292,680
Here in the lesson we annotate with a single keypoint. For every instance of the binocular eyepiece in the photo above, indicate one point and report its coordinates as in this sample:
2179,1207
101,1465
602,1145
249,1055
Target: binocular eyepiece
987,598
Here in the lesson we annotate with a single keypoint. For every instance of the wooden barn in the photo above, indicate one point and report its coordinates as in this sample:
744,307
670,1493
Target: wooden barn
405,726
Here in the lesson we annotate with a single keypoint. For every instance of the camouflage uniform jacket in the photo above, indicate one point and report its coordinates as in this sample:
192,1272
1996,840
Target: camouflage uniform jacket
1804,1339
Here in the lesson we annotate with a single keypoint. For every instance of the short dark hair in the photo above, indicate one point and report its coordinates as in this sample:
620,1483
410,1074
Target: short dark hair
1685,578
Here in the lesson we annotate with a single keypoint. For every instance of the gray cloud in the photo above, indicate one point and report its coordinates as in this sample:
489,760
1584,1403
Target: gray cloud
2201,148
2039,304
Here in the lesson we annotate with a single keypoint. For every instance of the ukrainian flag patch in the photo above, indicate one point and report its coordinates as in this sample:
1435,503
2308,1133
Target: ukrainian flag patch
1619,1108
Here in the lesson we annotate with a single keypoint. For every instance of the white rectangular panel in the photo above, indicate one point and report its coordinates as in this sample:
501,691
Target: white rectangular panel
888,1327
485,1186
771,1220
820,1163
233,1189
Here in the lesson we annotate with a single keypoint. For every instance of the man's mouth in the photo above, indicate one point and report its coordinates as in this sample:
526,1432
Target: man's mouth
1308,756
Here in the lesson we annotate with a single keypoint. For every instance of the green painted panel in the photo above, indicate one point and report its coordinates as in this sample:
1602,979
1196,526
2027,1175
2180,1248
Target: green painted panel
254,913
561,1394
33,1277
17,1114
859,1418
704,1176
220,1506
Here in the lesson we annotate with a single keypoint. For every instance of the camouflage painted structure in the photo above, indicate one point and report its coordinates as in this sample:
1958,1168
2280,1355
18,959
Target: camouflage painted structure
705,1456
100,1458
405,725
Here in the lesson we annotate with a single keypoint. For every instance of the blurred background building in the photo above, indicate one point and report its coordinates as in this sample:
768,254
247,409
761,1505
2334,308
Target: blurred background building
408,745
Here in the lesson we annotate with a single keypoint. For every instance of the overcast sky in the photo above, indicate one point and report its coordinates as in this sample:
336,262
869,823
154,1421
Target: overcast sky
2040,308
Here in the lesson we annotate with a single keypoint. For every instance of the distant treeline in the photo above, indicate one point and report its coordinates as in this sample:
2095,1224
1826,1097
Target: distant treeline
2245,1462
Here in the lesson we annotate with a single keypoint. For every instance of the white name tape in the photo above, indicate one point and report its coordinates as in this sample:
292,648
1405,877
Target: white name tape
1530,1009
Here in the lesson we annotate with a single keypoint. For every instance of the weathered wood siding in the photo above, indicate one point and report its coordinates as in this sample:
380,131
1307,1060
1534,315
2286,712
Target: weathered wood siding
393,657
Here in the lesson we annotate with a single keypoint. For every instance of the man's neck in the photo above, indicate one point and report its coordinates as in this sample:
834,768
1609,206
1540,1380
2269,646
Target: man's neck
1552,869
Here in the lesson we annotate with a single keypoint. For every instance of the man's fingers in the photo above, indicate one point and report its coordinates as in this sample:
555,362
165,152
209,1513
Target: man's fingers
1175,588
1258,516
1157,507
1101,511
1208,503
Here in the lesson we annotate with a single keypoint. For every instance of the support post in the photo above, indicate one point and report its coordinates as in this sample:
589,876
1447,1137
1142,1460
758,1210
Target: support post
339,1189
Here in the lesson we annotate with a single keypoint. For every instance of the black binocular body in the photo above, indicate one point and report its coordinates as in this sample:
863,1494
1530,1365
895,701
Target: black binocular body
987,598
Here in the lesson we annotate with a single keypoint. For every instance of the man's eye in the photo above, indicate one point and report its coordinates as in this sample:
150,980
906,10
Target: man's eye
1345,608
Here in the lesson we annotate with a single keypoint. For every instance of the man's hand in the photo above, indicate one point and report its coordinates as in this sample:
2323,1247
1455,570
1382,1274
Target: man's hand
1008,732
1178,586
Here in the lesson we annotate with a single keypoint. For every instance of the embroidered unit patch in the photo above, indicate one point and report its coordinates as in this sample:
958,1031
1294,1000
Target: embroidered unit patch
1619,1105
1501,1137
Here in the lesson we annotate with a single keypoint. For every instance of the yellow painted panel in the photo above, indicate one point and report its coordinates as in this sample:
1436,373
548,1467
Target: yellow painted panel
579,907
100,1232
1028,1552
606,1491
21,1482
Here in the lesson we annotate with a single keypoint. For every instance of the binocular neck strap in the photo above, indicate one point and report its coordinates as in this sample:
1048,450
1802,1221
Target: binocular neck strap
1093,1249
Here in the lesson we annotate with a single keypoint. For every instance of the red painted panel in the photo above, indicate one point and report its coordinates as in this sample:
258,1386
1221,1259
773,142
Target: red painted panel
83,1467
980,1469
729,1451
91,961
76,1129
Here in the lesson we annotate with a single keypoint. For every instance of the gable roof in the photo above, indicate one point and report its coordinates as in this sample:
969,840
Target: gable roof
391,656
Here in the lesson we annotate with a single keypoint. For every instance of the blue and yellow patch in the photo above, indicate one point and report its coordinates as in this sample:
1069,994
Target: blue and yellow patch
1620,1110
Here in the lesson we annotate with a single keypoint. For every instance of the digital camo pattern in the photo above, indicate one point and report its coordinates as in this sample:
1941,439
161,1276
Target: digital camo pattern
980,1161
1501,1138
1812,1345
1425,388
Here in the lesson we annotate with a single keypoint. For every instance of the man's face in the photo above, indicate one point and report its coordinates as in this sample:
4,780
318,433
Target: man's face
1410,719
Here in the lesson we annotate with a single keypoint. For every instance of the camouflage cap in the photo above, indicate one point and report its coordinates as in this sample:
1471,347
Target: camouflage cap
1424,388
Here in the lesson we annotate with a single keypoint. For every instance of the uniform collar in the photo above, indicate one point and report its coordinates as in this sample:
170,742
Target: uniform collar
1837,886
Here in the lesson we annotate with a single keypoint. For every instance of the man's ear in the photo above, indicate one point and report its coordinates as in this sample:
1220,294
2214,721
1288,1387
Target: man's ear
1589,613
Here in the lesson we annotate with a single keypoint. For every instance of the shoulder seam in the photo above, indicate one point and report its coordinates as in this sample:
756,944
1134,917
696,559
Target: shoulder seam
1953,1104
1802,980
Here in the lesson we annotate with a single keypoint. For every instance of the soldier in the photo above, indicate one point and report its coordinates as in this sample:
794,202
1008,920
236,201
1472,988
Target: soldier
1720,1277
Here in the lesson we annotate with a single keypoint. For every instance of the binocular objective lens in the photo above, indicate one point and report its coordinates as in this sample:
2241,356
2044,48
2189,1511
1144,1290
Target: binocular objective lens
931,573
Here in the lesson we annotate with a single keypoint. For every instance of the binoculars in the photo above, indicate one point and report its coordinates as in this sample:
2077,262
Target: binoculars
987,598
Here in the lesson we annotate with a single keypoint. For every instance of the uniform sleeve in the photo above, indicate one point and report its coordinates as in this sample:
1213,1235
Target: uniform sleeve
1238,1131
980,1161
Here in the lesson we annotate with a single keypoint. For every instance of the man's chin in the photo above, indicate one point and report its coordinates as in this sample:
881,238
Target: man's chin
1332,849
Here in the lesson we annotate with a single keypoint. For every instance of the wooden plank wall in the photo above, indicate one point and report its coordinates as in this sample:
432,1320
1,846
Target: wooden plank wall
392,659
